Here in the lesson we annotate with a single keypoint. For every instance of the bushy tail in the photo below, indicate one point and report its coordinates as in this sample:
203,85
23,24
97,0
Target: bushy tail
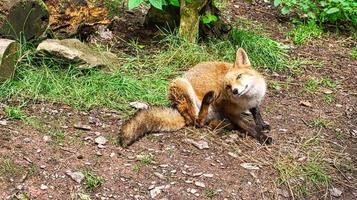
149,121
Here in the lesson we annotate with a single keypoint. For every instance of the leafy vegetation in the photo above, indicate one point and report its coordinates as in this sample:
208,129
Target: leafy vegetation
354,53
326,11
91,180
305,32
156,3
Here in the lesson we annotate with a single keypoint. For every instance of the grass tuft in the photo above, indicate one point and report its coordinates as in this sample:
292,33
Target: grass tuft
305,32
14,113
354,53
92,181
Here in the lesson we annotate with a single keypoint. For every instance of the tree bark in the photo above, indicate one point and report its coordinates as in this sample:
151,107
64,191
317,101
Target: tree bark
23,18
8,58
190,19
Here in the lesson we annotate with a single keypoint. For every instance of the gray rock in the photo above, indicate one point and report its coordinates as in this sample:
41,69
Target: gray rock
335,192
76,176
199,144
82,126
101,140
139,105
3,122
200,184
77,52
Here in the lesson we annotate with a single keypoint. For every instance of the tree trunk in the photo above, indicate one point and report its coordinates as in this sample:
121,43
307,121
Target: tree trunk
8,58
190,19
23,18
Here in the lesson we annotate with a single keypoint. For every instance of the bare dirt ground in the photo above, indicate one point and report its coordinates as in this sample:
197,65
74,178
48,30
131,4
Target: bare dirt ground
171,166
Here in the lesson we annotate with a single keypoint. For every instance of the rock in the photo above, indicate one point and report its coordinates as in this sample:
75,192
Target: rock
76,176
233,154
101,140
200,184
191,190
208,175
3,122
326,91
200,144
82,127
338,105
139,105
160,176
305,103
27,140
46,138
77,52
251,166
43,187
84,196
335,192
155,191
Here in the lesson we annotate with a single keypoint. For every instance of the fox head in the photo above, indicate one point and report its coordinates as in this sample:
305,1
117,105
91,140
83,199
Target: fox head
242,80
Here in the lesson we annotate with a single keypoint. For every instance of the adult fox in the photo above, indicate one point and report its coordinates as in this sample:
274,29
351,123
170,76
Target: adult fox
207,94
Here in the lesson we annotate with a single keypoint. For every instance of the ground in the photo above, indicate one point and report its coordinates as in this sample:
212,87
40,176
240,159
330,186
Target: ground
312,111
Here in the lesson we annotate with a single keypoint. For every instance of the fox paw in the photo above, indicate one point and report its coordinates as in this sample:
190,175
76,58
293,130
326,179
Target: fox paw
265,127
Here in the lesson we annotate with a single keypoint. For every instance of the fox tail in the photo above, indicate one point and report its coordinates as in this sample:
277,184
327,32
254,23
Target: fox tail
149,121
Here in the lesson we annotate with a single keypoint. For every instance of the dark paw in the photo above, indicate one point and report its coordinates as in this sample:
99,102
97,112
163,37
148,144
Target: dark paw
265,127
208,98
266,140
199,123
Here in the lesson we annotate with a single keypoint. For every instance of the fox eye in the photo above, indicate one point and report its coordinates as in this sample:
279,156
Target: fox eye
239,76
228,87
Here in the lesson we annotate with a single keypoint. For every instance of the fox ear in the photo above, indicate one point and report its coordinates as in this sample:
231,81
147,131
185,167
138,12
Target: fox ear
242,59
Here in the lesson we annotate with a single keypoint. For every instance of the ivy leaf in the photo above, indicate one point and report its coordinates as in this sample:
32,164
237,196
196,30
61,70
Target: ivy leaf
156,3
134,3
208,18
332,10
175,3
285,10
277,3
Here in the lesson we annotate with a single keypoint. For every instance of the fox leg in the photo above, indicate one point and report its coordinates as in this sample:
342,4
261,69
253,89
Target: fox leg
203,113
258,119
182,97
251,130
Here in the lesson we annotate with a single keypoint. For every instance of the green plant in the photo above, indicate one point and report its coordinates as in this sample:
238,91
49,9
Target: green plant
262,51
275,85
332,11
321,122
14,113
354,53
210,193
156,3
57,136
146,159
91,180
304,32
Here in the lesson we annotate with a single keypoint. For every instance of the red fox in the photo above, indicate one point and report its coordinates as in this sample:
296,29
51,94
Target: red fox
208,93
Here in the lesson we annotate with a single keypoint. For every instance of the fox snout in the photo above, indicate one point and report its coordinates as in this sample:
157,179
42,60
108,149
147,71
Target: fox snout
238,91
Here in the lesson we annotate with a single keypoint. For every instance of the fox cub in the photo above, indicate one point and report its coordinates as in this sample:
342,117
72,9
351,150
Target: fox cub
211,93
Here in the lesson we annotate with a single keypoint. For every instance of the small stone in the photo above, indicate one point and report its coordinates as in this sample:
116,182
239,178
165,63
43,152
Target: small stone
192,191
338,105
82,127
335,192
164,166
27,140
42,166
208,175
38,151
160,176
3,122
282,130
326,91
43,187
197,174
76,176
251,166
139,105
98,153
112,154
305,103
200,144
233,154
46,138
100,140
154,192
100,146
200,184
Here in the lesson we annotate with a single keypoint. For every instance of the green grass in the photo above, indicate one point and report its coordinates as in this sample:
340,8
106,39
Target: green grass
354,53
275,85
146,159
262,51
14,112
92,180
313,84
321,122
57,136
210,193
9,168
305,32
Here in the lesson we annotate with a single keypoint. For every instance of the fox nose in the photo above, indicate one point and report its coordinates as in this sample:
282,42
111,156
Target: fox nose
235,91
